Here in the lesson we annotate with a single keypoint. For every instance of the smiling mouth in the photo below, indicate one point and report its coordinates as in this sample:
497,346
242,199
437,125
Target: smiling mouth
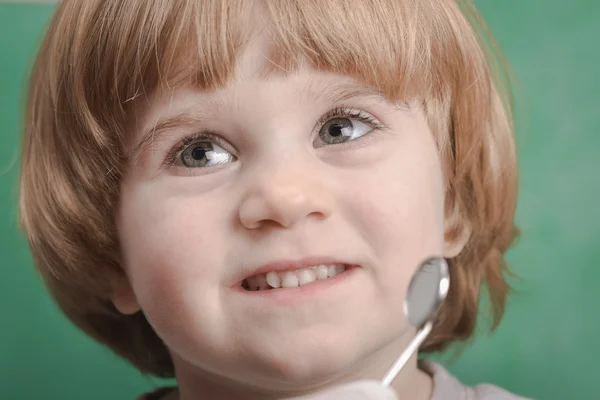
293,279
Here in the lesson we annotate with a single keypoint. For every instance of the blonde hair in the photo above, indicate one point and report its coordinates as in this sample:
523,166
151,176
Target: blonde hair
99,58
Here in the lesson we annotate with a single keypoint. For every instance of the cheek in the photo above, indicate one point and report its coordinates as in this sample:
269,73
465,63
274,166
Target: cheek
398,207
171,235
172,258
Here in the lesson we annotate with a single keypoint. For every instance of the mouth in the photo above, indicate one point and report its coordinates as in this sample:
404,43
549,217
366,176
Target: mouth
293,278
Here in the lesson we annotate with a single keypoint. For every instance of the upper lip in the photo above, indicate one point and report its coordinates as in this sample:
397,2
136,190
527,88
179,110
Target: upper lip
289,265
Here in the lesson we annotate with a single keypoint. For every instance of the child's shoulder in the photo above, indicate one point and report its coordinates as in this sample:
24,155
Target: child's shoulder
448,387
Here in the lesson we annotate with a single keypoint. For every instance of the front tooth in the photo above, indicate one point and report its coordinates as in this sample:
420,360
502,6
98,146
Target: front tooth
306,275
273,280
289,280
322,272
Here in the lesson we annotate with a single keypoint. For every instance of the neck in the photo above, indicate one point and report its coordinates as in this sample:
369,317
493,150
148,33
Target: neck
413,383
410,383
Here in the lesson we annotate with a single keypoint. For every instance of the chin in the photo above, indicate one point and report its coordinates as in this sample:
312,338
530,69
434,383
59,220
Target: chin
310,364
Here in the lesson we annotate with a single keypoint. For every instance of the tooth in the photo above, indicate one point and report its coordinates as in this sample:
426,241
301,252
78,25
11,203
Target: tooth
322,272
289,280
273,279
339,268
306,275
261,281
330,270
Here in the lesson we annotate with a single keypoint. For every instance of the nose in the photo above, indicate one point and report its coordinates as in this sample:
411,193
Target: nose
284,199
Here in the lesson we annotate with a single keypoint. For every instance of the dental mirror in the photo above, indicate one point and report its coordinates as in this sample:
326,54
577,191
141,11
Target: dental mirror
427,290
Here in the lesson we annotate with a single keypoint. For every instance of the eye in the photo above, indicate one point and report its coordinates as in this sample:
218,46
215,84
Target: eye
340,130
200,151
343,125
204,154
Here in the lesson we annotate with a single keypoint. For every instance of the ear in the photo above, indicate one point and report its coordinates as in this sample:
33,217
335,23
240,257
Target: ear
123,296
457,232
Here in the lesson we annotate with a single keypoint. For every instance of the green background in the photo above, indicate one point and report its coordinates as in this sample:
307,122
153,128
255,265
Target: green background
547,346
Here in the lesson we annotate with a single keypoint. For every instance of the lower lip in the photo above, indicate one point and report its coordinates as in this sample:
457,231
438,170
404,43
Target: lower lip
300,292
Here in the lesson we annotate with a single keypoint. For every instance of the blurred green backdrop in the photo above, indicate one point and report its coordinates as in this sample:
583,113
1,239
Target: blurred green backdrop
547,346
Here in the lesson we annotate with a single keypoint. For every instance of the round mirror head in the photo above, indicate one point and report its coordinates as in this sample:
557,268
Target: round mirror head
427,290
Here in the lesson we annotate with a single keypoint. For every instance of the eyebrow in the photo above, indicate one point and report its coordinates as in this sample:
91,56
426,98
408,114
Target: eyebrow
330,92
185,119
338,92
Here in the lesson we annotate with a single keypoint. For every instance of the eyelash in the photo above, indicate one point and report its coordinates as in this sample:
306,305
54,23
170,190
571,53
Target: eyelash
336,112
347,112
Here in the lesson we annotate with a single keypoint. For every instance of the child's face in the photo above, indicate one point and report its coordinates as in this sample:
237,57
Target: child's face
276,188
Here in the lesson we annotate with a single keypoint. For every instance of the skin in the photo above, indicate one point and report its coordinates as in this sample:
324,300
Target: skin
190,233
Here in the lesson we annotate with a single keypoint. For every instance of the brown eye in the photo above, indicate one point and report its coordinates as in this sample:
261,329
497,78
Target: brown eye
340,130
204,154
